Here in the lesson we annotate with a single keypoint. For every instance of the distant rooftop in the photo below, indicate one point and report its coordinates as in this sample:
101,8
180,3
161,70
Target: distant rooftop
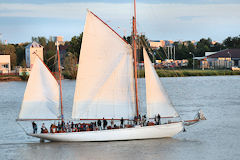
233,53
154,40
34,45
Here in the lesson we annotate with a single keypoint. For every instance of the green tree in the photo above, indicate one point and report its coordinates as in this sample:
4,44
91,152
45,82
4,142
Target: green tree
20,52
9,50
75,45
24,75
23,63
160,54
40,40
217,47
204,45
50,60
232,42
70,66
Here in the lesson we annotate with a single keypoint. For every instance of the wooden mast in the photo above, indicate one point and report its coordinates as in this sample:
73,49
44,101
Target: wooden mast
60,78
135,55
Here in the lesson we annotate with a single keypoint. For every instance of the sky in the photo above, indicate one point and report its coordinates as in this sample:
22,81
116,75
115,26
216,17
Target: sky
20,20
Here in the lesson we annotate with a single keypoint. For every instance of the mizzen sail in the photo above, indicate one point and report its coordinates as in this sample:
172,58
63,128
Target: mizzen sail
41,98
156,97
105,84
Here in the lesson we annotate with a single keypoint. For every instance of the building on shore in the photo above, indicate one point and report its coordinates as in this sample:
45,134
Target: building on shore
171,63
31,51
225,59
5,64
156,44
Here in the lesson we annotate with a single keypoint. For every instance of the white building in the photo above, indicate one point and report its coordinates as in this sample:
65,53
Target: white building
5,64
156,44
30,53
58,39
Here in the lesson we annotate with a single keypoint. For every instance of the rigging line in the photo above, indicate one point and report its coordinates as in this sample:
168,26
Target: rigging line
170,68
53,65
173,68
163,70
190,126
153,10
140,71
149,48
145,44
163,58
163,48
50,58
60,83
109,27
22,127
46,66
138,54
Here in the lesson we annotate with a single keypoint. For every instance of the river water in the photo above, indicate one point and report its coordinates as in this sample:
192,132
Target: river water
217,138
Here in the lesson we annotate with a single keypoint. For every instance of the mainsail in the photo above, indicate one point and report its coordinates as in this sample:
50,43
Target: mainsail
41,98
105,83
156,97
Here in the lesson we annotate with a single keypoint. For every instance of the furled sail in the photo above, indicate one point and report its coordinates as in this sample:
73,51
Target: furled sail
156,98
104,85
41,98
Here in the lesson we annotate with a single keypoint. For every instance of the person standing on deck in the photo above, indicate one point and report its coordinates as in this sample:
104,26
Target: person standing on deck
144,120
43,129
155,120
99,123
135,120
59,126
51,128
34,125
95,126
63,126
104,123
68,128
112,123
72,126
121,121
159,119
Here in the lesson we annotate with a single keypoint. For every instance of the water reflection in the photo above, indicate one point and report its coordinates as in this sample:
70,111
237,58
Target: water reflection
139,149
214,139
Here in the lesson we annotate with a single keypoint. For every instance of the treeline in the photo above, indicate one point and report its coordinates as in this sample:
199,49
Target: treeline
199,48
182,49
189,72
70,58
17,53
72,49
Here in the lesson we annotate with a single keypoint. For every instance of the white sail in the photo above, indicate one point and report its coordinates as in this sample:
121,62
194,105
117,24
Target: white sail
104,85
41,98
156,98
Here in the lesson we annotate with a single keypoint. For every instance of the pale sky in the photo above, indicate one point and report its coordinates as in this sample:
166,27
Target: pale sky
157,19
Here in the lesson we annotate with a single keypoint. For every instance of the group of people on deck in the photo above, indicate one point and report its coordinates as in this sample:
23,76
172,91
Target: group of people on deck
100,124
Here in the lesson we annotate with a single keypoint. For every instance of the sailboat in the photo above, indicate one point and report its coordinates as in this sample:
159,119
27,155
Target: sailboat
106,86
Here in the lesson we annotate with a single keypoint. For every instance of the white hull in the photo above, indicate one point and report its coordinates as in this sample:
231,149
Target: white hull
146,132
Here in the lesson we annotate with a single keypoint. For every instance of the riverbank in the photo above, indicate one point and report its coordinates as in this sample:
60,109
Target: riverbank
10,78
160,72
188,73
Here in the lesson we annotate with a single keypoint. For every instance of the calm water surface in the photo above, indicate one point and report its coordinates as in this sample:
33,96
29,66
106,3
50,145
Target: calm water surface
218,138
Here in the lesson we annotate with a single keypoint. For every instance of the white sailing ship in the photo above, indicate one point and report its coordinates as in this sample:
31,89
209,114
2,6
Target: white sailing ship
106,86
